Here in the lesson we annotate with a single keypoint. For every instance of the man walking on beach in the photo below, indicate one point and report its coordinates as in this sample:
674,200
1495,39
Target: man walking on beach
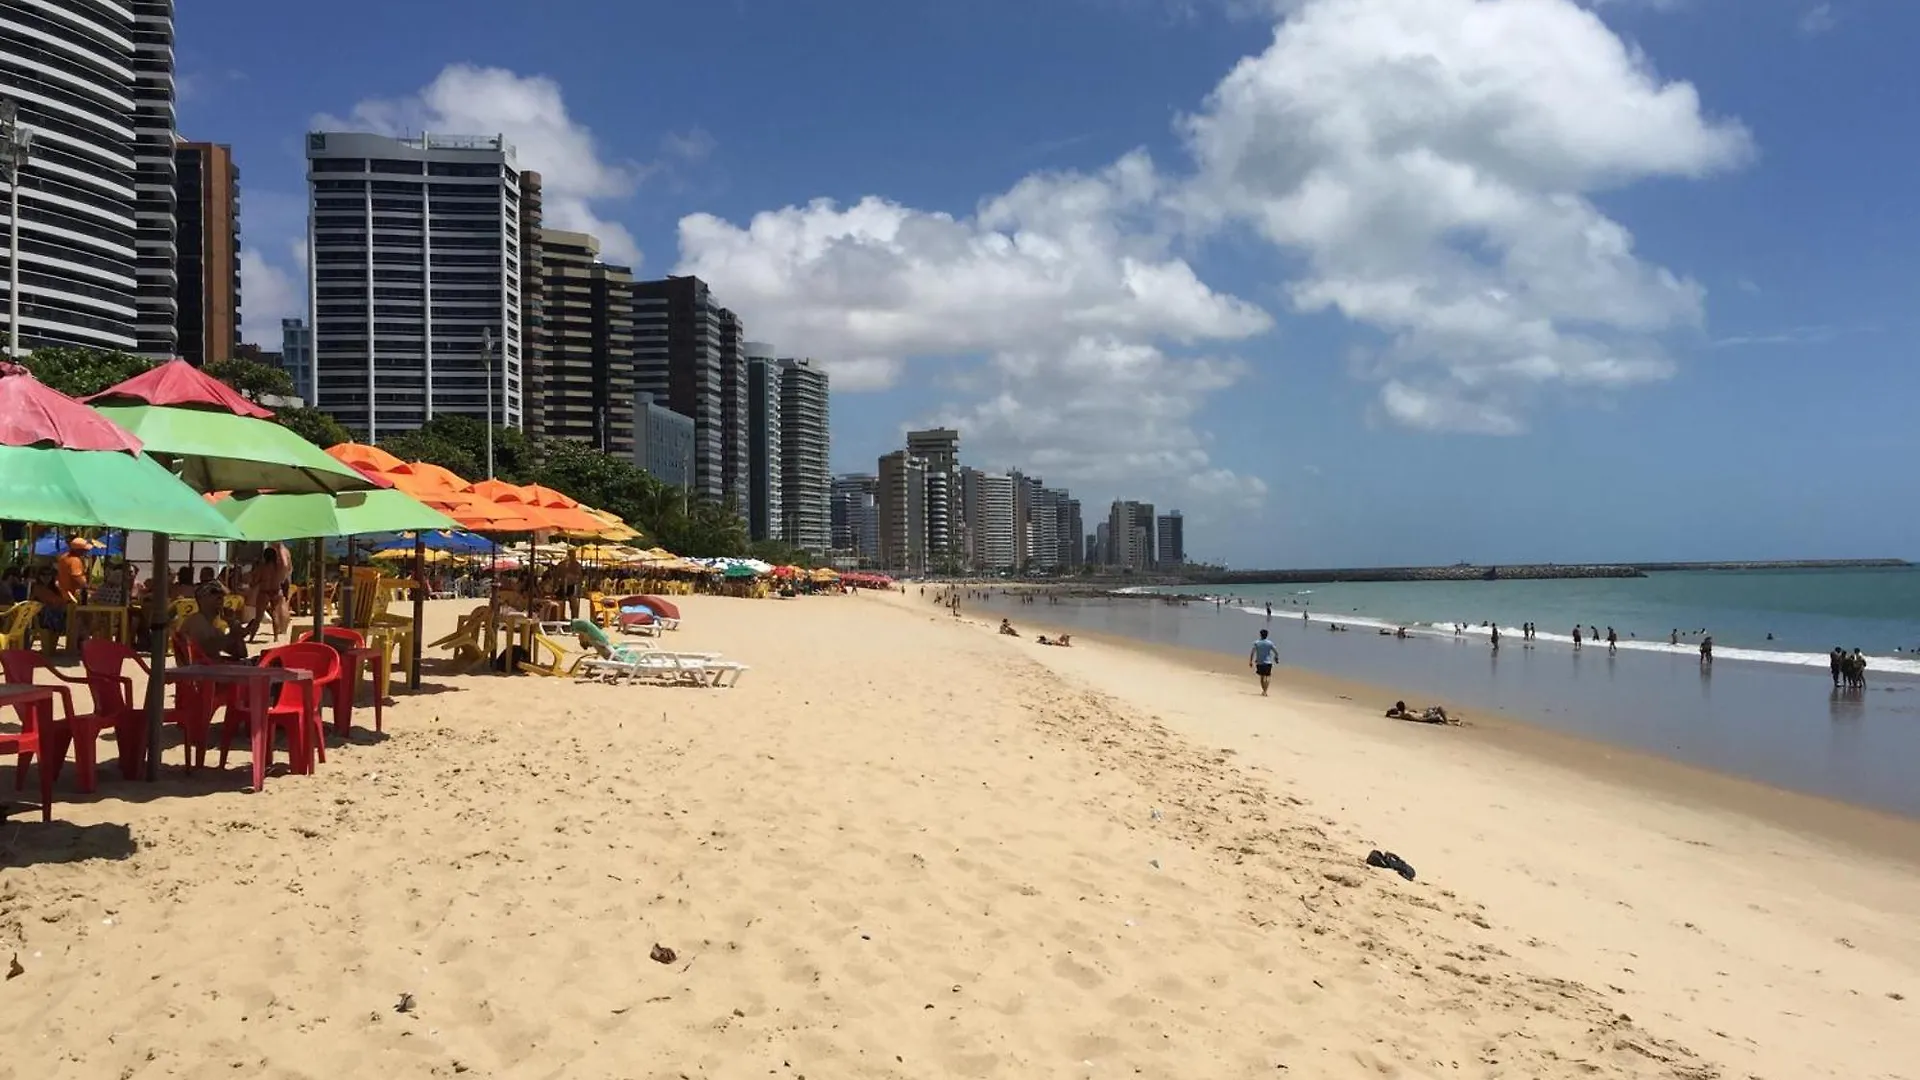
1261,659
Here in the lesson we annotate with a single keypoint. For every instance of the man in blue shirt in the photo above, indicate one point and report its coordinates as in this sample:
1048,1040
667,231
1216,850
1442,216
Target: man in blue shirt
1261,659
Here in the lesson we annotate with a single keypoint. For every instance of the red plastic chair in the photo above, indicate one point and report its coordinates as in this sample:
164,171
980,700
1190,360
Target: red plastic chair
114,700
341,638
25,744
82,733
293,710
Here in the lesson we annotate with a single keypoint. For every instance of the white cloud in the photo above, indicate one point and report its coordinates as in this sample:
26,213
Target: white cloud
1065,280
531,112
1434,161
1818,20
1118,415
267,295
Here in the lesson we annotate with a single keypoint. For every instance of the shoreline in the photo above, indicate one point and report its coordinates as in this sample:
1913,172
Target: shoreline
1868,830
1754,926
1776,724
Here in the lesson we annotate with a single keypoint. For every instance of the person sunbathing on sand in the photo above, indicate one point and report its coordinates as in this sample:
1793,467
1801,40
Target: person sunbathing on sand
1007,629
1432,714
1066,641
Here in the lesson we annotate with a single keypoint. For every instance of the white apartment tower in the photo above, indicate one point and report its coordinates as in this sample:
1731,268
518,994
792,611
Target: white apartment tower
414,279
69,67
156,303
998,545
806,483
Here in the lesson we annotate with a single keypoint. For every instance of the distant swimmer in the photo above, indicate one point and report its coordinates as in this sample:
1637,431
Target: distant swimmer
1613,641
1674,638
1261,659
1576,639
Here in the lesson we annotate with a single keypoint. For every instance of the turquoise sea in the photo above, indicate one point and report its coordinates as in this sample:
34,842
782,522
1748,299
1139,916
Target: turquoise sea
1777,616
1765,708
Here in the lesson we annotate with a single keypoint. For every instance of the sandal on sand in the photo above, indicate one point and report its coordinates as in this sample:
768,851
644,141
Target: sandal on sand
1389,861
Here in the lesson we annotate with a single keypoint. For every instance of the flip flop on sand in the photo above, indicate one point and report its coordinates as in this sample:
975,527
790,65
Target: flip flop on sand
1389,861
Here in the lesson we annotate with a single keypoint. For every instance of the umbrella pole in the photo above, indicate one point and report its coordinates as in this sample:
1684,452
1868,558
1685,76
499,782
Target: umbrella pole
157,608
317,590
419,607
493,601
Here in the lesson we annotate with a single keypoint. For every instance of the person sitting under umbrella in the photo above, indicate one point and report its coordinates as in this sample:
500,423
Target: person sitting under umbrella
218,643
52,599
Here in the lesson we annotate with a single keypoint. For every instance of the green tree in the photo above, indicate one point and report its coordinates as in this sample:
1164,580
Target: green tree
79,372
424,445
317,427
780,554
252,379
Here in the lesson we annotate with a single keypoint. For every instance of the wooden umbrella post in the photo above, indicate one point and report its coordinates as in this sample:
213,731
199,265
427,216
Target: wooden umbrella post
157,609
419,608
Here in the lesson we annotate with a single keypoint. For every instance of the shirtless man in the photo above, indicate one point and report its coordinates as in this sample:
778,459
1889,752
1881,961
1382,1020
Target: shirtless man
199,628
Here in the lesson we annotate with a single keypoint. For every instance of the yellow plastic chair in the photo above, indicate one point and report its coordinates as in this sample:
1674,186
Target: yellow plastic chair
372,593
563,663
20,625
117,620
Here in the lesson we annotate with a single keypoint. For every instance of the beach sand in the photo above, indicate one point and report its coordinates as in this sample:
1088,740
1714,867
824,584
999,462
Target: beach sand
904,846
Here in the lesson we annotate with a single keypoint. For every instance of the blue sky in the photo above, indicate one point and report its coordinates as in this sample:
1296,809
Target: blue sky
1348,281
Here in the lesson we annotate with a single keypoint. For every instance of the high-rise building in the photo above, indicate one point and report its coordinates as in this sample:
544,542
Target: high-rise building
999,546
680,351
587,329
296,355
940,449
1043,527
663,442
1170,538
1100,544
1131,535
533,301
902,499
1070,533
856,520
207,238
154,210
734,421
967,515
805,444
1093,547
764,476
68,67
415,278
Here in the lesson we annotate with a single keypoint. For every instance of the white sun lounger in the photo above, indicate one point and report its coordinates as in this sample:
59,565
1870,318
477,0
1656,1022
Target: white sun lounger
657,665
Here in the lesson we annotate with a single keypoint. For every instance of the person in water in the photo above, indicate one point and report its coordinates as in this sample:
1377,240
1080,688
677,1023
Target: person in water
1261,658
1706,650
1613,641
1576,639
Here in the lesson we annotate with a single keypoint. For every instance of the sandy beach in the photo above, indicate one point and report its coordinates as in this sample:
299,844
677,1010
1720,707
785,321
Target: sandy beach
905,846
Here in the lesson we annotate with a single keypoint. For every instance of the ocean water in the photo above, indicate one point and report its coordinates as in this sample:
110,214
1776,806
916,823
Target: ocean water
1764,709
1774,616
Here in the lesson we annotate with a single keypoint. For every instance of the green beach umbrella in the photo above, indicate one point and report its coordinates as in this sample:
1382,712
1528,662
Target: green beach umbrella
273,516
217,440
65,464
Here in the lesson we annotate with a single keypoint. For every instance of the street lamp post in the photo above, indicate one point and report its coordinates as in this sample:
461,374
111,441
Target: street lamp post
486,359
15,141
